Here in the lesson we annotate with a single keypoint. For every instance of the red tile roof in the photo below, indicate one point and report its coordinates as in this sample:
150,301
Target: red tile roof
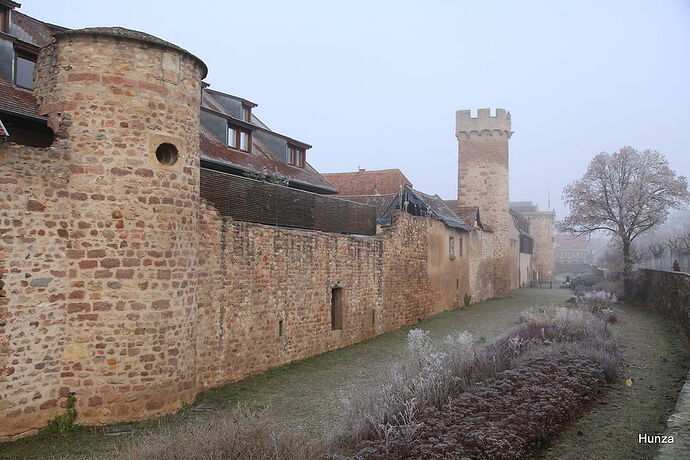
260,158
14,100
363,182
571,243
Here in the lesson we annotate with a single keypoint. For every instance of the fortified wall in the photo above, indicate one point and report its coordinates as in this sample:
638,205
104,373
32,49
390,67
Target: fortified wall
544,253
483,181
120,284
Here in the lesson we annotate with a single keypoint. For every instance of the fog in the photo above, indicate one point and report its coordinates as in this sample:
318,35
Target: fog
376,84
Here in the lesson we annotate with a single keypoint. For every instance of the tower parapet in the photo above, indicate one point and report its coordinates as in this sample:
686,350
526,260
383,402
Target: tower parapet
483,123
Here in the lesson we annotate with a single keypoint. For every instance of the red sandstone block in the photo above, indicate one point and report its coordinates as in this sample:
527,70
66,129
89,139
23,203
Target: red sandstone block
124,274
144,172
76,295
88,263
77,307
33,205
99,306
120,171
95,401
96,253
83,77
132,262
103,274
161,304
110,263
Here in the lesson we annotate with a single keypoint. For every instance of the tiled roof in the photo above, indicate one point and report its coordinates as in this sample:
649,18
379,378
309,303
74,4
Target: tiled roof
30,30
381,202
365,182
17,101
523,206
260,158
469,214
571,243
430,206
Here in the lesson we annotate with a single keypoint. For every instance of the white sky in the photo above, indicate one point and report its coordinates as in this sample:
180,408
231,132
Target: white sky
375,84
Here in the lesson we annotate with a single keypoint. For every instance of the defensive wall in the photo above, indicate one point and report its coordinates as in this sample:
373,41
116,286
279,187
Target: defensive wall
119,284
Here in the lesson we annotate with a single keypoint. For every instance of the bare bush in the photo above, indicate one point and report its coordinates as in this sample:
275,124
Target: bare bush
596,301
241,435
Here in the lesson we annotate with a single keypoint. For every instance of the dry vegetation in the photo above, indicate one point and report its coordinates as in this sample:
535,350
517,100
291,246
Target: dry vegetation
447,399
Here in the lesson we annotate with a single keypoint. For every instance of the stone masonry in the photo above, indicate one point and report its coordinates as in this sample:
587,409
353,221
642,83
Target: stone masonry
544,255
120,284
483,181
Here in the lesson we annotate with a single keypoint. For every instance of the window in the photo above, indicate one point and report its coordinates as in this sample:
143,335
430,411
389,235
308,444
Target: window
167,154
24,70
4,19
460,247
246,113
451,247
296,156
239,138
281,328
336,308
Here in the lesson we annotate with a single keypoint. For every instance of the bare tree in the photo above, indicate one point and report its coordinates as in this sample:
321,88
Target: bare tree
625,193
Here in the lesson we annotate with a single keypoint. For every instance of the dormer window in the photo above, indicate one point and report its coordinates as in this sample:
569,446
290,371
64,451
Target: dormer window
246,113
240,139
296,156
24,64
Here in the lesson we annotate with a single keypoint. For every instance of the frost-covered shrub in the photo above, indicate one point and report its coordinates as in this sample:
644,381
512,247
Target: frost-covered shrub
426,374
596,301
241,435
502,418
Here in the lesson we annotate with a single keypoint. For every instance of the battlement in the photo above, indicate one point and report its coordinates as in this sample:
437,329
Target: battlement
466,123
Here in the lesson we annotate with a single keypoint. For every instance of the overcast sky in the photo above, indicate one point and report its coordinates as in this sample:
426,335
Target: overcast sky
375,84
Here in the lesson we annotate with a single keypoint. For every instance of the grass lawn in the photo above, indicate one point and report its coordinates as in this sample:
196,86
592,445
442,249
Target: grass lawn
304,395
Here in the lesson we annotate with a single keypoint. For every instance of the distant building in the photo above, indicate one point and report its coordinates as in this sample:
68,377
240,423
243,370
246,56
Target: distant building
573,250
363,182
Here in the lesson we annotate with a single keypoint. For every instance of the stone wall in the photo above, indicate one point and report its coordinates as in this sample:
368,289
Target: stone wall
100,236
266,295
483,181
544,252
120,285
668,292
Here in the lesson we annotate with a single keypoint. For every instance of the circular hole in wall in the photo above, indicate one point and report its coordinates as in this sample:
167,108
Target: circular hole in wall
167,154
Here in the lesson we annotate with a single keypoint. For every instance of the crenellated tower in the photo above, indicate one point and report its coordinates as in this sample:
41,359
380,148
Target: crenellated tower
483,180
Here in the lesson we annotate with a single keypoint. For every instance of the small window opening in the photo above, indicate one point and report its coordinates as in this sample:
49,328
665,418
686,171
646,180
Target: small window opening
457,283
240,139
4,19
336,308
167,154
451,247
296,156
281,328
373,316
246,113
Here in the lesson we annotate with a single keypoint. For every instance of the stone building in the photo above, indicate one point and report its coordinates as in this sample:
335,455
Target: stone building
541,229
126,276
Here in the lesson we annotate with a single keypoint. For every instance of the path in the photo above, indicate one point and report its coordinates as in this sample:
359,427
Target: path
656,358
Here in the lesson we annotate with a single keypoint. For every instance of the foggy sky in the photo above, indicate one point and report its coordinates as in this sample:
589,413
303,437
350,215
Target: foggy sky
376,84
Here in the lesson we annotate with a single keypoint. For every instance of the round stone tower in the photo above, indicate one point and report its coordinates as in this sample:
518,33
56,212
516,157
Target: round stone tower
124,106
483,180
